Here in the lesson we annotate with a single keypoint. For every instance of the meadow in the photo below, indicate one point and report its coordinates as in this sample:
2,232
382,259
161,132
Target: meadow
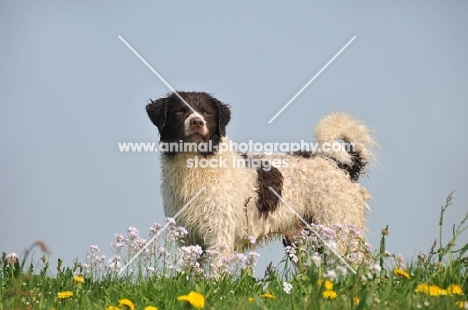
166,274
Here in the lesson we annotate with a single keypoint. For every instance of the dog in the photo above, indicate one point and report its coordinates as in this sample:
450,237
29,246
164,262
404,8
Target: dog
243,201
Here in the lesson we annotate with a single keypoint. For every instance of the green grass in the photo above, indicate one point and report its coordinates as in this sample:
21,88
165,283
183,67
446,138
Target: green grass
443,268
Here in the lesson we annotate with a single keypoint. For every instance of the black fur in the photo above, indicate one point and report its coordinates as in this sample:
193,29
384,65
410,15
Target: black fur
157,112
267,201
355,170
303,154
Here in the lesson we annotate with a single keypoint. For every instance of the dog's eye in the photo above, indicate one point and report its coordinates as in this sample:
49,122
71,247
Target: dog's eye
206,113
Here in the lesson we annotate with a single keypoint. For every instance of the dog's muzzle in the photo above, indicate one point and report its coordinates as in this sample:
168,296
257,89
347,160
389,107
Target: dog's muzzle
195,124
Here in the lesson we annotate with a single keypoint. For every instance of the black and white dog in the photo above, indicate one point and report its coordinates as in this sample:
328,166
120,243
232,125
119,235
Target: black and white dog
237,201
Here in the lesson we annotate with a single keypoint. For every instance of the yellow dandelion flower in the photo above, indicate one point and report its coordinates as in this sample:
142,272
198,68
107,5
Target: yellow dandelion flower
326,283
422,288
78,279
443,292
401,273
329,294
462,304
151,308
195,299
454,289
268,295
66,294
434,290
112,308
126,304
356,301
251,299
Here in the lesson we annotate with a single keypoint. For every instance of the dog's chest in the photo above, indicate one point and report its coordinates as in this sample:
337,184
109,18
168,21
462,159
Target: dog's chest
225,189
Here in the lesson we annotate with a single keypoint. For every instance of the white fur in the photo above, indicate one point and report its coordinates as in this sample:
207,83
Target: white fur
225,213
204,129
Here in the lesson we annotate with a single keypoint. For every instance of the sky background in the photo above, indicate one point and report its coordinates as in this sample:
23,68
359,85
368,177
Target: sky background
70,90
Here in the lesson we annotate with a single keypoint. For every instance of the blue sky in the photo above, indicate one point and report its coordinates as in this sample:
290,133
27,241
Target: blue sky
70,90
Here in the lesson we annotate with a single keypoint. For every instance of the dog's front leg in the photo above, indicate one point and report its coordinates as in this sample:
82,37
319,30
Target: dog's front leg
219,246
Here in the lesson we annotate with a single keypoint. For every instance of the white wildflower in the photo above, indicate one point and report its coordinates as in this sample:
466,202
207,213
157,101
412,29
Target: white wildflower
252,259
331,275
119,237
154,229
170,220
400,261
291,251
287,287
317,260
342,270
114,263
132,233
11,258
375,268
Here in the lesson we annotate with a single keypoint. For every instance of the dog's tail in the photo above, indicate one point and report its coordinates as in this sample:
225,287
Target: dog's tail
347,140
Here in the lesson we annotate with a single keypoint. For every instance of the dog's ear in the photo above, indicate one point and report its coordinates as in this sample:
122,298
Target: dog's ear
224,116
156,110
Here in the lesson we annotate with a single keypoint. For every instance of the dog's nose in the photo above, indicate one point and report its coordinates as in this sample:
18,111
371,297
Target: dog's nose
197,122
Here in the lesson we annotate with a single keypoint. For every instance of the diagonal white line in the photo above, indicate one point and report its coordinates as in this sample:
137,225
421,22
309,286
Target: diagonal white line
157,74
312,79
313,230
159,232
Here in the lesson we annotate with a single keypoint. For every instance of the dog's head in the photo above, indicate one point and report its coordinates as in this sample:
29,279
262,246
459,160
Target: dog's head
204,119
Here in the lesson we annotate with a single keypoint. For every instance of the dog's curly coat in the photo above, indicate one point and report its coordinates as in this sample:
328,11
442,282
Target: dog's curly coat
236,202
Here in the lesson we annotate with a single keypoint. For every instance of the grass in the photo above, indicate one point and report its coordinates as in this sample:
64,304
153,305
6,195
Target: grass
166,276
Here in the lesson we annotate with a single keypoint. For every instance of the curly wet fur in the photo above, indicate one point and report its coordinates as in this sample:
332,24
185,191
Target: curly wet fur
320,188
